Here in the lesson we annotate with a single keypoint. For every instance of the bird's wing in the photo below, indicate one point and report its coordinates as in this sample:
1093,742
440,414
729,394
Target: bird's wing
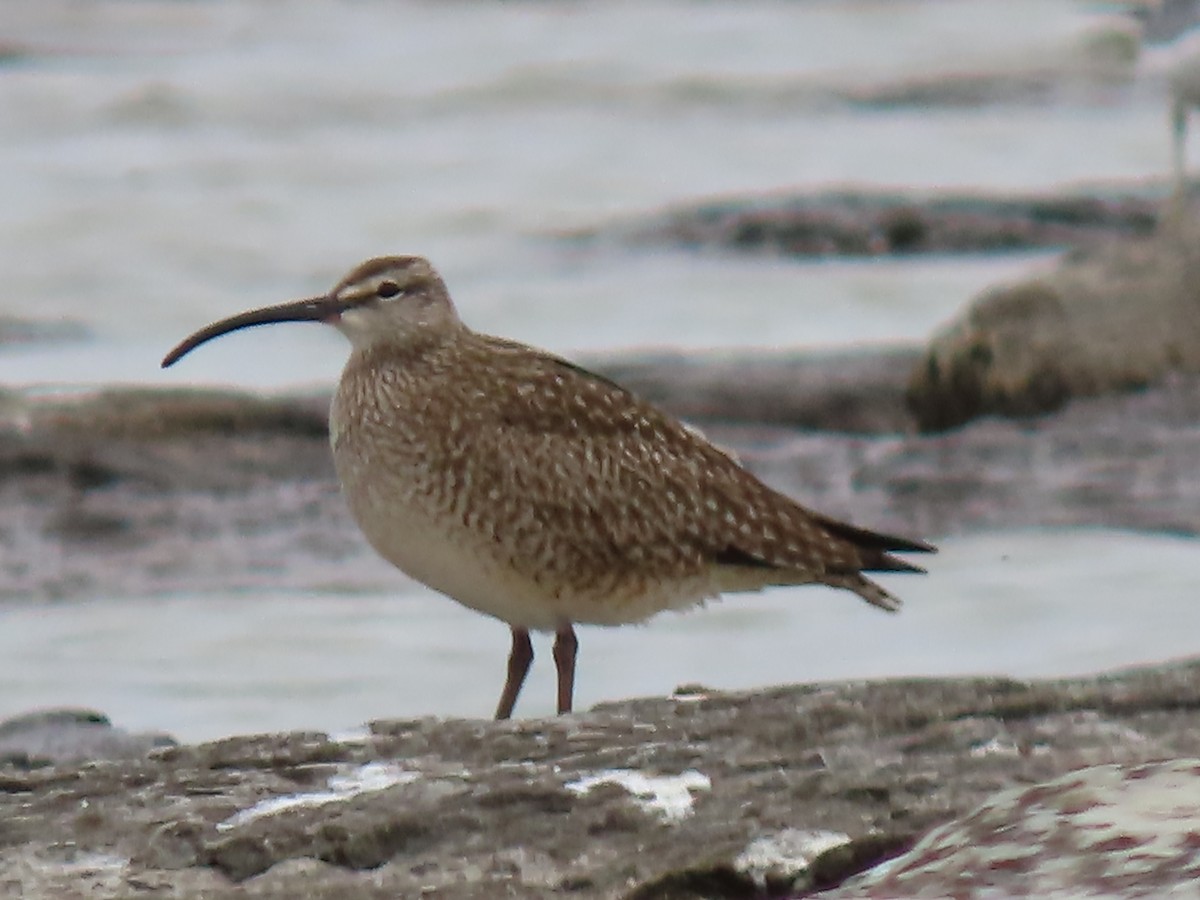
630,478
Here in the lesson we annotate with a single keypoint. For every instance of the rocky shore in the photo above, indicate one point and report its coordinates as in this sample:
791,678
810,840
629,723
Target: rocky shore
701,795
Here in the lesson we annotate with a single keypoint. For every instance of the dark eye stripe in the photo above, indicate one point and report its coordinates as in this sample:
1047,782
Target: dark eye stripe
387,289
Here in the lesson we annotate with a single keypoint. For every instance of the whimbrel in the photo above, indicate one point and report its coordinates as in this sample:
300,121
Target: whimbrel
534,491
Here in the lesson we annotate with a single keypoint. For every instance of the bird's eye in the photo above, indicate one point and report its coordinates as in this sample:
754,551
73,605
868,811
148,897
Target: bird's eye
387,289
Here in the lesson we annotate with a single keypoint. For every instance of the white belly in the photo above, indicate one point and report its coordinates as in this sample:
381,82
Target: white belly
452,563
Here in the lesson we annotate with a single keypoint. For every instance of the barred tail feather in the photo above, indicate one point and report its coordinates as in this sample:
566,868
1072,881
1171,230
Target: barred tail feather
865,588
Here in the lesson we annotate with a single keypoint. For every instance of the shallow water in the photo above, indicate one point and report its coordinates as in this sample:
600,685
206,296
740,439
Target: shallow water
164,164
793,304
1021,604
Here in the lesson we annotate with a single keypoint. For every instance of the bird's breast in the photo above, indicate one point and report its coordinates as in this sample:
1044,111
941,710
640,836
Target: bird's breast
501,518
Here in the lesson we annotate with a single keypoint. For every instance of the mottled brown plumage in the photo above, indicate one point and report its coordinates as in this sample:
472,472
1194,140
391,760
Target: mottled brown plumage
534,491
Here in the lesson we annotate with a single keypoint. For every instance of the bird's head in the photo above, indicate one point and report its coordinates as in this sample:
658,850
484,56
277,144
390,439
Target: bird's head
389,298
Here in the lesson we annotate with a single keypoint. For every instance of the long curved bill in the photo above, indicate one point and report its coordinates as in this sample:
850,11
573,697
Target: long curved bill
314,309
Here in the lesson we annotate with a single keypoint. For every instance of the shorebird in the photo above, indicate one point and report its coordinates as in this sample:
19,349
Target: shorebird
1170,32
1184,82
537,492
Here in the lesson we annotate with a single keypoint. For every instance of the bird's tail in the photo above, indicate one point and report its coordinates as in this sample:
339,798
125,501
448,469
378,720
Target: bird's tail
865,588
876,548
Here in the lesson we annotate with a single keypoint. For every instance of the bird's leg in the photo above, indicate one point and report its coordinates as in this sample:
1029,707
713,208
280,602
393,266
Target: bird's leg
1179,130
519,660
565,645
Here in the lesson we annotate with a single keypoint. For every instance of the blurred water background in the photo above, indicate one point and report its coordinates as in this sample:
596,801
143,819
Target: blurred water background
164,164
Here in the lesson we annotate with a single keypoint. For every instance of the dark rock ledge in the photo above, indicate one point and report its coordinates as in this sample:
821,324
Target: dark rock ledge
146,491
873,222
700,795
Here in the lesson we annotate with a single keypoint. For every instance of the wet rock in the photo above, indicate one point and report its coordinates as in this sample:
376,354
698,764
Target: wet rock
162,438
60,736
11,52
699,795
1106,831
1118,318
248,499
866,223
972,89
1121,461
137,486
26,331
